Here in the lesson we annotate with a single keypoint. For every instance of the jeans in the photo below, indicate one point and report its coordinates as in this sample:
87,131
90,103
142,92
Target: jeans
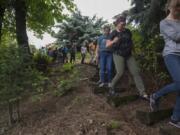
106,60
173,65
120,62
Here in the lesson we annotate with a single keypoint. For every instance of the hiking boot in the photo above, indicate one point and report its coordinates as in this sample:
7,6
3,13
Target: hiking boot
154,105
101,85
175,123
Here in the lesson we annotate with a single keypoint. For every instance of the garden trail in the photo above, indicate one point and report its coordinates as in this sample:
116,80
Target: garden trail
82,113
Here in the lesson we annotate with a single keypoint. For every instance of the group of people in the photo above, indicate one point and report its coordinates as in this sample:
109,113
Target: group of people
88,48
61,54
116,47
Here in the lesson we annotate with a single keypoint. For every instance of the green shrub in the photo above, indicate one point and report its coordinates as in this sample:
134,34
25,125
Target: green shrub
42,61
67,67
16,76
70,82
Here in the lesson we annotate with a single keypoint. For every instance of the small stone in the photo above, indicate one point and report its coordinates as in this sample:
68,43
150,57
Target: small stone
96,132
103,124
79,133
90,121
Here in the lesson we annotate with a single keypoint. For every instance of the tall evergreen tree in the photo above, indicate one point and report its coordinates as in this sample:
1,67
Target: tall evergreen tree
79,28
147,14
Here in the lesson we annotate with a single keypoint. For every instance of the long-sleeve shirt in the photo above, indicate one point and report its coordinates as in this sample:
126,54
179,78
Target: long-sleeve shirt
170,30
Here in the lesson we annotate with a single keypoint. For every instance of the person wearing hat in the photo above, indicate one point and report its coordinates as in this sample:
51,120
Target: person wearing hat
120,40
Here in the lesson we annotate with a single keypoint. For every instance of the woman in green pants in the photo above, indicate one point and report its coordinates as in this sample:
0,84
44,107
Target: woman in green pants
121,42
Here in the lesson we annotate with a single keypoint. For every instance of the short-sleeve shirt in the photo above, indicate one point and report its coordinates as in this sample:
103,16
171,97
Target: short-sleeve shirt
83,50
102,43
124,46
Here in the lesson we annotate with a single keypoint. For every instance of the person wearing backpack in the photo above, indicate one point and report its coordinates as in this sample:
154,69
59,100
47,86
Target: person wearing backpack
120,40
170,30
105,57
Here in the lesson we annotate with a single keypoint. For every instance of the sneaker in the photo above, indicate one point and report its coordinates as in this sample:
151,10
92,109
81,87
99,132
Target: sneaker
101,84
144,96
109,85
175,123
153,104
111,92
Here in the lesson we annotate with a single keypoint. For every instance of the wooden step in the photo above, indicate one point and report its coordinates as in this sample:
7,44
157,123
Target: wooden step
100,90
169,130
150,118
117,100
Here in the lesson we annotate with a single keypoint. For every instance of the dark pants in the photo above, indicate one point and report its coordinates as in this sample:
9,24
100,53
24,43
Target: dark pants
83,58
73,58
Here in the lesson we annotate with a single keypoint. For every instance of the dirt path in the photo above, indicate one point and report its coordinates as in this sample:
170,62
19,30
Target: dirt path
82,113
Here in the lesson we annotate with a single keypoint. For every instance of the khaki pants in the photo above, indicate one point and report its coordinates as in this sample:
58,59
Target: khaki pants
119,62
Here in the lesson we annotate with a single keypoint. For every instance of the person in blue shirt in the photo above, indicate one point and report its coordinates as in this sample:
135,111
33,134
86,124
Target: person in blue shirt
106,58
65,51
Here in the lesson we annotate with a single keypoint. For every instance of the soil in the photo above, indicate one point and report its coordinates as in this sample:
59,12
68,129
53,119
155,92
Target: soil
83,113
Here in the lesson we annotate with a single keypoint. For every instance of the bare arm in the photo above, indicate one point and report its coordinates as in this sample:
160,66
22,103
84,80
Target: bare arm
109,43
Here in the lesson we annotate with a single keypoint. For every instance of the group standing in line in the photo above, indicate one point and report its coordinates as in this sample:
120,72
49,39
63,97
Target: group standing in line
116,47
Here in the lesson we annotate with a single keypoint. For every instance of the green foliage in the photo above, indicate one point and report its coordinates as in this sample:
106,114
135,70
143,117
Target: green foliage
79,28
113,125
41,14
149,55
17,77
67,67
42,61
147,14
69,82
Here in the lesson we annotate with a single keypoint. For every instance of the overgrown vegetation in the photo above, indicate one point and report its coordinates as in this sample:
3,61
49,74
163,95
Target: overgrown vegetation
42,61
149,55
79,28
17,78
69,81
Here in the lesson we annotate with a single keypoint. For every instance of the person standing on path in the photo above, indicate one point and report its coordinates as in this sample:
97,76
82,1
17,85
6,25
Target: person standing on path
73,53
170,30
83,53
92,51
105,56
120,40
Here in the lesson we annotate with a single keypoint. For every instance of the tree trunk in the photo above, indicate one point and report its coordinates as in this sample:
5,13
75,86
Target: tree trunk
10,111
18,110
2,10
21,33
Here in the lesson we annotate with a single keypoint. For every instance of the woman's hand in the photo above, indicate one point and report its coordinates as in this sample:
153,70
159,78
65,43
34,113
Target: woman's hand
109,43
116,39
